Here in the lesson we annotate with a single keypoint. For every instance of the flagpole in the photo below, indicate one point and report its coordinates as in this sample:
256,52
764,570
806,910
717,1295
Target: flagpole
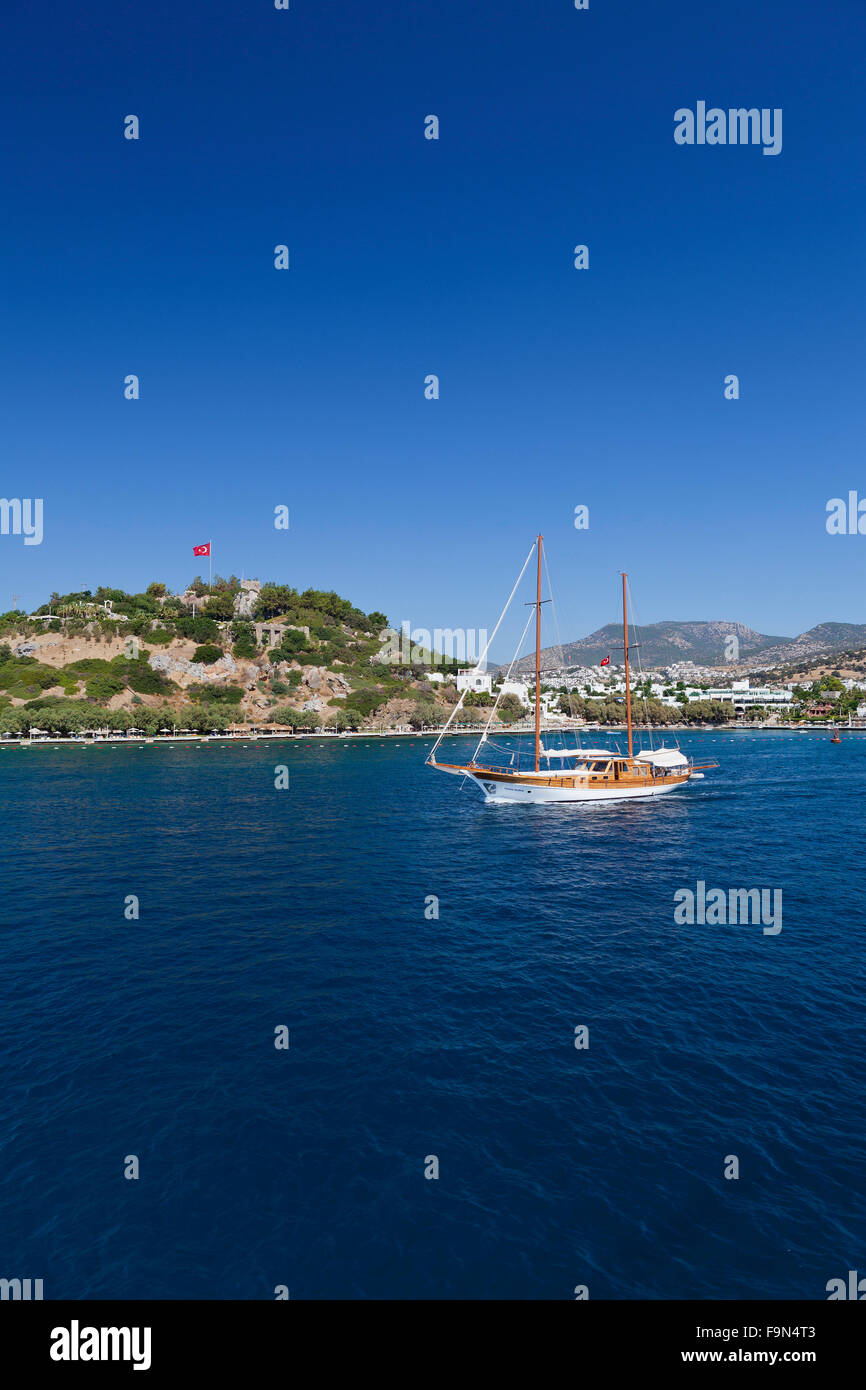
210,564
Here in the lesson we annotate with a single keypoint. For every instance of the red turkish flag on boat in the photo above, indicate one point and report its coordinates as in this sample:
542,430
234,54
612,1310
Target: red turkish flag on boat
606,661
201,549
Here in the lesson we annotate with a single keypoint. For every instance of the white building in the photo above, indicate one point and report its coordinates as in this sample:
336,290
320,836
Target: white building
518,688
743,696
473,679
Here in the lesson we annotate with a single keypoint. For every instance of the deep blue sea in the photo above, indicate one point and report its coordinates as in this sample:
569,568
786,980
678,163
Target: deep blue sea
413,1037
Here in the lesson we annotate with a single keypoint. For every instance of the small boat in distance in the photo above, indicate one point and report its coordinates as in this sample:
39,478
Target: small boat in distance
835,738
597,774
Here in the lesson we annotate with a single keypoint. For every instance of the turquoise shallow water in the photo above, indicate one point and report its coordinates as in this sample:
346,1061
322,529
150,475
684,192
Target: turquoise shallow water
413,1037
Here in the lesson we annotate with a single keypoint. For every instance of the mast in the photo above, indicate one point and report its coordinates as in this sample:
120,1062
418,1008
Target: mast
538,660
625,649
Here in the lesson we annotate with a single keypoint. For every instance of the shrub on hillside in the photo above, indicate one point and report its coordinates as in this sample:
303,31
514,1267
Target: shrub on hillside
215,694
145,681
30,675
198,629
102,687
207,654
365,701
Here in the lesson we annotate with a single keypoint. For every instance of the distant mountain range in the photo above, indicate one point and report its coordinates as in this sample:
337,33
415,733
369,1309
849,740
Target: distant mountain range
704,643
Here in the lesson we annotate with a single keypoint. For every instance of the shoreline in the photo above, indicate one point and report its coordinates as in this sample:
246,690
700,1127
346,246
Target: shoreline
307,735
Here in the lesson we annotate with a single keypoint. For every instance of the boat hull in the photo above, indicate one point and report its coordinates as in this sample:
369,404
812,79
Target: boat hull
528,789
516,791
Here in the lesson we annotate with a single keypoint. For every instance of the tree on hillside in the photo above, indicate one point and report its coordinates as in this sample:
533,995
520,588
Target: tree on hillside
275,599
244,635
219,606
343,719
424,715
295,718
510,708
291,645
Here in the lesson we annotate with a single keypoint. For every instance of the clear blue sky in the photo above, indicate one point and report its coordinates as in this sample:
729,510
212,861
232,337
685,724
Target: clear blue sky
410,256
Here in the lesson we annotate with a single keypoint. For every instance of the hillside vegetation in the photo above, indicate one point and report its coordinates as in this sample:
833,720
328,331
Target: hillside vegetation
200,660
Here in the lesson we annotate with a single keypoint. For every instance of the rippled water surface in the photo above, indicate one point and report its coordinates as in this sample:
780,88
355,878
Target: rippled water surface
413,1037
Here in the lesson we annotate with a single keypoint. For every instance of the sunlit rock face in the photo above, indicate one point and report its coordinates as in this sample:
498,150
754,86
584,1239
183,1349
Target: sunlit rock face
245,602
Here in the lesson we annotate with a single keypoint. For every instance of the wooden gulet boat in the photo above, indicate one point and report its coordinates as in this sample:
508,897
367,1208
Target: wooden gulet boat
597,774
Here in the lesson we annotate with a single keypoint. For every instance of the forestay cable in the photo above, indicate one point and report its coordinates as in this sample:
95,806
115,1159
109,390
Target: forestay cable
483,738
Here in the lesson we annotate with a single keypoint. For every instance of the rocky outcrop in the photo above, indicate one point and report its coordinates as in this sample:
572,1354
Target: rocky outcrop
193,670
247,600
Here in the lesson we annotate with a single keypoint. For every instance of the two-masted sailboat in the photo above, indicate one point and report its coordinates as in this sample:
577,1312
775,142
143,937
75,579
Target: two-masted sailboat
595,774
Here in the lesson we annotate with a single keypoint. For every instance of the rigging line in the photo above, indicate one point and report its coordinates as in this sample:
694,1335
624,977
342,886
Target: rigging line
559,646
483,738
483,656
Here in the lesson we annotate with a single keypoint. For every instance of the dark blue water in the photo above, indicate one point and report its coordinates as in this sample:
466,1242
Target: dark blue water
412,1037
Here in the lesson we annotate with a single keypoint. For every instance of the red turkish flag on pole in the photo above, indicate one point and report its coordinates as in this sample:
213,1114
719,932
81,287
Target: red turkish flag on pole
605,662
201,549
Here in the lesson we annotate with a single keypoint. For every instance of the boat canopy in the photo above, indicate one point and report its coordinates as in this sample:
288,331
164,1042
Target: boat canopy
663,757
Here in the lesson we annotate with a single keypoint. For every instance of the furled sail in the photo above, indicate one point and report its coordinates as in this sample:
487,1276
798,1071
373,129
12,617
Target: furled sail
576,753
